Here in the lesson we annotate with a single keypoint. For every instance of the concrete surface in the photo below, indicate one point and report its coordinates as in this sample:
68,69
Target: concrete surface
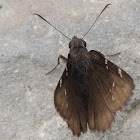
29,48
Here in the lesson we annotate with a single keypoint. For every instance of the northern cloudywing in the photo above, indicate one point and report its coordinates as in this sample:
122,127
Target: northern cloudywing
91,89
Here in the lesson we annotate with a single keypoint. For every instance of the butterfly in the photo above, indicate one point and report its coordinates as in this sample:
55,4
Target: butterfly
91,89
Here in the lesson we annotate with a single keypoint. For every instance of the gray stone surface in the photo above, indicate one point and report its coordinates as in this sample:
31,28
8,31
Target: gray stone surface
29,48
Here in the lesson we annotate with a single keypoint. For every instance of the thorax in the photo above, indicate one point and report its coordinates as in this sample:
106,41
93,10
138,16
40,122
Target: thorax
79,64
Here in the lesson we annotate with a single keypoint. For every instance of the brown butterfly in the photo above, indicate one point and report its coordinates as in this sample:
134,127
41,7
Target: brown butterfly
91,88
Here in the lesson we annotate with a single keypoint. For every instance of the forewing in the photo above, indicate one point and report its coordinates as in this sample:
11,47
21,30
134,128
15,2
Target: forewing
69,106
61,99
111,88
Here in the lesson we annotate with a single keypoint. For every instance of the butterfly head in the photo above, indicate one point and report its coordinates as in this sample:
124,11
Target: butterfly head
77,43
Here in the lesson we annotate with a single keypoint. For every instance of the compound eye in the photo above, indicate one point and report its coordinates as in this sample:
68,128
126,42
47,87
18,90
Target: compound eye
70,45
85,44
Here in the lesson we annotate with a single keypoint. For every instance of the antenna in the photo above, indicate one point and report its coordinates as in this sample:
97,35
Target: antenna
52,26
96,20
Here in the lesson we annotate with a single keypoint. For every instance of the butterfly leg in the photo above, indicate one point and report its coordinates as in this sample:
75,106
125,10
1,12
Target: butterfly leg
58,62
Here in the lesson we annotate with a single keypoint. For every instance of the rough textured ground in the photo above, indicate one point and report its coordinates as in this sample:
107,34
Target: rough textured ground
29,48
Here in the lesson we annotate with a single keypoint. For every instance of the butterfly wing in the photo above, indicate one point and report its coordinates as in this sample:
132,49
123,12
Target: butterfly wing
111,88
69,106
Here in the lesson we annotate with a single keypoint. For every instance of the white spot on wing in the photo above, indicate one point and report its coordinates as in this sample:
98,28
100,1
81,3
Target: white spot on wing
106,61
120,72
110,90
113,98
65,92
61,82
66,68
113,84
66,71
